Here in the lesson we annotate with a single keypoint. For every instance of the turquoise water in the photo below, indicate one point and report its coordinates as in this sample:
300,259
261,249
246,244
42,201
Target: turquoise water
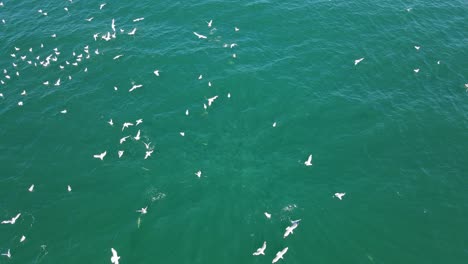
393,140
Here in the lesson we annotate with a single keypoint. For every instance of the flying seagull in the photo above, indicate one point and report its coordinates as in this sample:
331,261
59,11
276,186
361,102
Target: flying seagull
358,61
115,258
199,35
198,173
12,221
143,210
260,251
209,23
137,137
135,87
280,254
211,100
100,156
139,121
308,162
122,140
125,125
290,229
8,254
340,195
148,153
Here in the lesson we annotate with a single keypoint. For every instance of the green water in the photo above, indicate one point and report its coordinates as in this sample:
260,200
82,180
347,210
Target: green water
393,140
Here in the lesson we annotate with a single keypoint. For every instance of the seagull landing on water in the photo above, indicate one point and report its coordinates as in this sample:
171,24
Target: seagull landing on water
279,255
100,156
340,195
8,254
199,35
12,221
143,210
267,215
115,258
308,162
356,62
260,251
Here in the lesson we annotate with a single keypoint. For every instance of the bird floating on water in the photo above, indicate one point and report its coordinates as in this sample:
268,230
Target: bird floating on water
156,72
274,124
23,238
417,47
416,70
267,215
308,162
260,251
182,134
69,188
31,189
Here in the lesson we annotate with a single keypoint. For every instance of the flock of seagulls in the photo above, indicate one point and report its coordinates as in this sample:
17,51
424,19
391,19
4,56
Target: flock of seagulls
53,59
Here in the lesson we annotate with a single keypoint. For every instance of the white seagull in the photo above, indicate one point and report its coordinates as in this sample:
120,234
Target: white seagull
416,70
148,153
110,122
57,83
120,152
138,19
198,173
340,195
267,215
23,238
118,56
137,137
280,254
89,19
290,229
187,112
308,162
156,72
182,134
100,156
69,188
211,100
122,140
417,47
115,258
260,251
209,23
199,35
113,25
101,6
12,221
147,145
143,210
8,254
131,33
31,189
139,121
274,124
125,125
135,87
358,61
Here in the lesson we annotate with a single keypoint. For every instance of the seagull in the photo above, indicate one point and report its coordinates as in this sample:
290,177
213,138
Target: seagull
66,9
274,124
147,145
118,56
416,70
290,229
200,77
417,47
233,45
57,83
204,106
89,19
100,156
209,23
113,25
64,111
139,121
135,87
122,140
31,189
260,251
137,137
23,92
438,62
95,38
12,221
182,134
110,122
340,195
138,19
115,258
267,215
131,33
148,153
22,239
20,103
46,83
229,95
280,254
8,254
199,36
156,72
143,210
69,188
236,29
125,125
101,6
187,112
120,152
198,173
308,162
209,84
358,61
211,100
